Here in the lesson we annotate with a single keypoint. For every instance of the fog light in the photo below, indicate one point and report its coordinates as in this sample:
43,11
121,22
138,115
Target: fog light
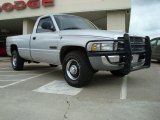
95,47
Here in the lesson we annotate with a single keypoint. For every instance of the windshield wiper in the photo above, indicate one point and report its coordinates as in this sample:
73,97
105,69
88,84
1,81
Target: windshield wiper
70,28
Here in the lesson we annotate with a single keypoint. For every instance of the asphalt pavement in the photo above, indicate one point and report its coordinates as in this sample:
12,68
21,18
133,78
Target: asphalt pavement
39,92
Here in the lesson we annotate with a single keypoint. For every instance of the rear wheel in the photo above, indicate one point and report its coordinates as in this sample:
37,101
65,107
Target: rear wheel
76,68
16,61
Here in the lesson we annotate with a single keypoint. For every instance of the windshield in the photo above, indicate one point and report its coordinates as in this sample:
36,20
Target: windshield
65,22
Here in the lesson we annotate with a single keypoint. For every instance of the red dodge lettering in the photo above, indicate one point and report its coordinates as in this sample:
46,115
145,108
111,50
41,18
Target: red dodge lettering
19,5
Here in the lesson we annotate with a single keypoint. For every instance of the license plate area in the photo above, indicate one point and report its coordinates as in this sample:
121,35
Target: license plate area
135,58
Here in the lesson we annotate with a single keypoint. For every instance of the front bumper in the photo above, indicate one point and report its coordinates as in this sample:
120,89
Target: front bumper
127,59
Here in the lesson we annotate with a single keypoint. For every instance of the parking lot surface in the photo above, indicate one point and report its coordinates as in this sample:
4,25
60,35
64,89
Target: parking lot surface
39,92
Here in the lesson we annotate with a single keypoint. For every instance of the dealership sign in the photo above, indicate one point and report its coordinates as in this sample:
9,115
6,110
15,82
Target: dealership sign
21,5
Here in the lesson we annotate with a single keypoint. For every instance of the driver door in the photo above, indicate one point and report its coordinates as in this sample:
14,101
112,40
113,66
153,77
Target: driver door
44,43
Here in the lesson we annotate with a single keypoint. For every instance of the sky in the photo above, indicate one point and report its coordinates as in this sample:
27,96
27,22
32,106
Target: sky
145,18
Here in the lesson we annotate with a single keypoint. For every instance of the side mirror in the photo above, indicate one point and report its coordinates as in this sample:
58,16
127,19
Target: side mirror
47,26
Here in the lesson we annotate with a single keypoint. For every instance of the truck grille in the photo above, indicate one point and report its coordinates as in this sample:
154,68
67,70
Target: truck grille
137,44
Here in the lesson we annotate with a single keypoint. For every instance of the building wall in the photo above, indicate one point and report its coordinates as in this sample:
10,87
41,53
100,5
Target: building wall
107,14
66,6
116,20
28,26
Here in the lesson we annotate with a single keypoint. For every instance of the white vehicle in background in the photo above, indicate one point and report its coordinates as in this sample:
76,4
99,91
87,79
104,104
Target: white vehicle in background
80,47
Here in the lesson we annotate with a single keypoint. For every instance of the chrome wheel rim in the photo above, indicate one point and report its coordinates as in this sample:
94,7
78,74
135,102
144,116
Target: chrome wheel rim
14,60
73,69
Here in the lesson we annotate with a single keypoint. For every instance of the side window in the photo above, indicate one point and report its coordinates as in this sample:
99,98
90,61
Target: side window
154,42
41,22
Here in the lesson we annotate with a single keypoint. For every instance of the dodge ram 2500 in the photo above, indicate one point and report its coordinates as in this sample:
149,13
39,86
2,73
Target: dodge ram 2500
80,47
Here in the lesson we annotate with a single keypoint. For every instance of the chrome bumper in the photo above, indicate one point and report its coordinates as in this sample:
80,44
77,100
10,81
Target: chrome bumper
107,63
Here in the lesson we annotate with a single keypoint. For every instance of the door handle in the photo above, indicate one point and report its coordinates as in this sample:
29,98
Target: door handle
34,38
53,47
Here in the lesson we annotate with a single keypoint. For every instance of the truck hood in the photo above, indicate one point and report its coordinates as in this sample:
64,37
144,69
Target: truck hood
93,33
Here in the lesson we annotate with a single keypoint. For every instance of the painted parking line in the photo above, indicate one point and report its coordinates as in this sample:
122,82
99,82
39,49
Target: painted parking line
22,71
4,68
123,94
23,80
19,75
8,80
59,87
5,60
9,71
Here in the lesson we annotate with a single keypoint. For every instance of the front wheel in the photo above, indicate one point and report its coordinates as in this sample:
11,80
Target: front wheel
77,70
16,61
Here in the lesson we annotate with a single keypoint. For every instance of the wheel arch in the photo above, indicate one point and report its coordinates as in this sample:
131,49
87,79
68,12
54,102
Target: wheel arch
13,47
66,49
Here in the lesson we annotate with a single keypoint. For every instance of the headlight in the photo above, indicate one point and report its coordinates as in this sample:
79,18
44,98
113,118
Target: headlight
107,47
103,46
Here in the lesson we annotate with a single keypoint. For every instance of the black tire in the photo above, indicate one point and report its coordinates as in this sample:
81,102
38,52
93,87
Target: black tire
77,69
120,73
95,71
16,61
51,65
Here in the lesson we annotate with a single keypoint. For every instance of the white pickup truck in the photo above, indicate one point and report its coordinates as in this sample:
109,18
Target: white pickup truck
80,47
